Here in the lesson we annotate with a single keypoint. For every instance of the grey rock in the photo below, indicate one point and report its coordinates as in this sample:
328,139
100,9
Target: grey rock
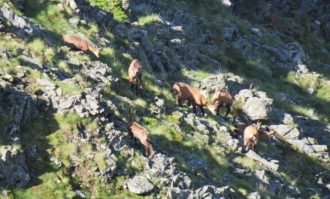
182,181
244,95
292,53
74,22
261,175
256,108
286,131
80,194
13,168
310,90
21,26
263,162
320,148
256,31
72,4
125,4
178,193
56,161
226,3
210,191
254,195
46,83
139,185
93,13
8,77
229,33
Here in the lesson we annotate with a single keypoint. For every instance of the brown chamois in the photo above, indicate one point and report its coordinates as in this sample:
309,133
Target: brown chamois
250,137
194,96
223,99
80,44
135,75
140,133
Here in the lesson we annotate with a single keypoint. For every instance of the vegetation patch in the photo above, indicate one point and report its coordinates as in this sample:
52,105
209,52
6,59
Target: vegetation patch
112,5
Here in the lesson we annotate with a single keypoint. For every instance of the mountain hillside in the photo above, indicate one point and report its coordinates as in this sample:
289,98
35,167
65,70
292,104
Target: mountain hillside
64,113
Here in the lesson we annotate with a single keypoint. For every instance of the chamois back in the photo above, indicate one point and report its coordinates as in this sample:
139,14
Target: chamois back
185,92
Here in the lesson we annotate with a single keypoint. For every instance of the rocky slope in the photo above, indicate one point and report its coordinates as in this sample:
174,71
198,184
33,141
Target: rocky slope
63,113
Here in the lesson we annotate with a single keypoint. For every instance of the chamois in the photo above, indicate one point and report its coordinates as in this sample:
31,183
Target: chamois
135,74
251,136
80,44
222,99
194,96
140,133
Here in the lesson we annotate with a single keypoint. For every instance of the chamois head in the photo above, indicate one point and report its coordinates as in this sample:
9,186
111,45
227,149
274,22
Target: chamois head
137,64
212,108
95,51
258,125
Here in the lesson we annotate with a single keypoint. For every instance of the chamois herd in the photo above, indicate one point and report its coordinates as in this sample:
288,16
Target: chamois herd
183,92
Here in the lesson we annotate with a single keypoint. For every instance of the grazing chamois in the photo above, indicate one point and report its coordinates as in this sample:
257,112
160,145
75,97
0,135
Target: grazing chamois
184,92
140,133
135,75
223,99
80,44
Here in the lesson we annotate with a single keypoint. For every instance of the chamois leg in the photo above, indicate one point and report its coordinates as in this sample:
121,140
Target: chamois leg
132,86
151,151
139,84
137,89
179,100
245,145
148,148
218,110
130,132
255,147
243,149
228,110
202,110
194,108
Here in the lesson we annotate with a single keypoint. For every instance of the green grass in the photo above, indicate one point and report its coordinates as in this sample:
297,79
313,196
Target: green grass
48,189
68,88
52,134
144,20
112,5
49,15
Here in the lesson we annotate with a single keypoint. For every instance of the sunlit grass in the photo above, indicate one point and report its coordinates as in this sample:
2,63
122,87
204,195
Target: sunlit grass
144,20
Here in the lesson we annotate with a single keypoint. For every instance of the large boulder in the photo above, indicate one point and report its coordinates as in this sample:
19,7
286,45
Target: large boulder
256,108
140,185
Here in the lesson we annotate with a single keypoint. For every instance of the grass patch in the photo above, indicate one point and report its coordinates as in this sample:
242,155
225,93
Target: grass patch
112,5
49,15
153,18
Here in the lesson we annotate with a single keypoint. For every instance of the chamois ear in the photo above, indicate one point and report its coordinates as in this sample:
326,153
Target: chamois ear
205,92
258,124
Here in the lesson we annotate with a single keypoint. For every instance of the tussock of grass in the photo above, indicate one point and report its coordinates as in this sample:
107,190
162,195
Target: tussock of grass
68,88
144,20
